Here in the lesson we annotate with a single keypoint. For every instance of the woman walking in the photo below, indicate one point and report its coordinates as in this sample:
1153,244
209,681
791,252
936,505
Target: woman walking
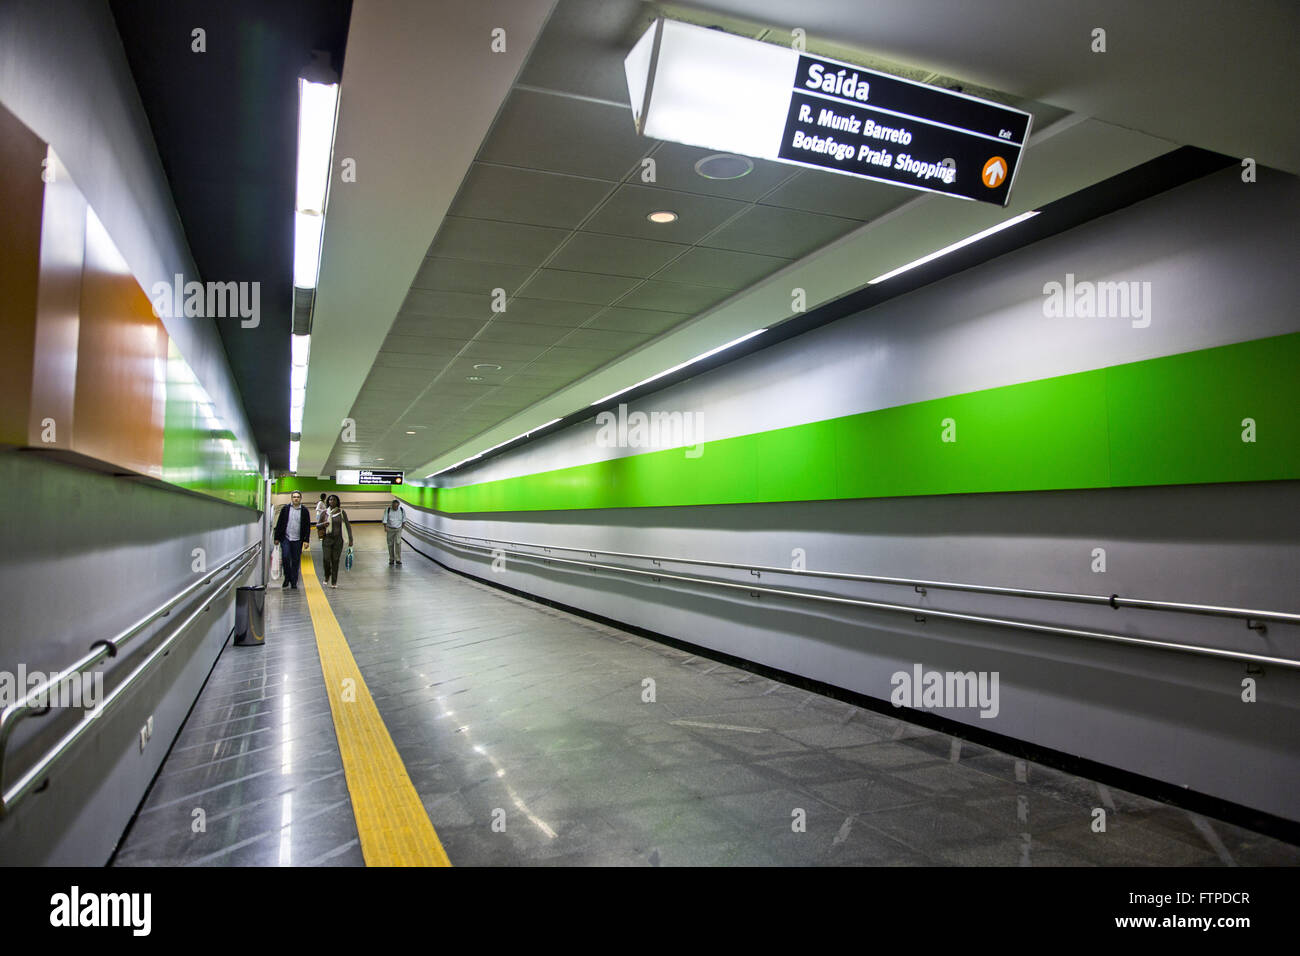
330,526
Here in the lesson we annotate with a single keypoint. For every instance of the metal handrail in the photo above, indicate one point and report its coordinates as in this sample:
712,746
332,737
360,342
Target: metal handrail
1112,601
25,707
918,613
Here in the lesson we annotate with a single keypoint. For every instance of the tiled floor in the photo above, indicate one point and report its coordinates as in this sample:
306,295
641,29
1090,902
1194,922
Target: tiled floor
528,734
259,758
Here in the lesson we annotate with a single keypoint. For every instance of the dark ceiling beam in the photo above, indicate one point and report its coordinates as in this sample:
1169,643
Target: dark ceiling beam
226,125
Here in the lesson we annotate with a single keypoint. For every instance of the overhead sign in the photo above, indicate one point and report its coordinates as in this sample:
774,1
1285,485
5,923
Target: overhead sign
706,88
368,476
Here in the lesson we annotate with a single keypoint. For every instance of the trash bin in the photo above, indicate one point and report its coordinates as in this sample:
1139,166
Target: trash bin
250,615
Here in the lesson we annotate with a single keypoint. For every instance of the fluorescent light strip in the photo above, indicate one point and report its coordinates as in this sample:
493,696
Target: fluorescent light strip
307,231
301,348
316,108
698,358
955,246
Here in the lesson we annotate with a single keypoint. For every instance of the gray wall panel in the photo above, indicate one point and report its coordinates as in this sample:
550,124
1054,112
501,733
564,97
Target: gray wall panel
87,555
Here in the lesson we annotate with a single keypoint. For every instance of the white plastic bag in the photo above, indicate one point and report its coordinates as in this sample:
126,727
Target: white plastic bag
276,570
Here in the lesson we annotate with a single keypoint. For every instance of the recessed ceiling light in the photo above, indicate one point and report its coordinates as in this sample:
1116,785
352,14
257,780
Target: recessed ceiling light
488,367
662,216
724,166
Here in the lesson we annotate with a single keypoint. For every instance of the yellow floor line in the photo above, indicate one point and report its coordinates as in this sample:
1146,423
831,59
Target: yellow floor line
391,819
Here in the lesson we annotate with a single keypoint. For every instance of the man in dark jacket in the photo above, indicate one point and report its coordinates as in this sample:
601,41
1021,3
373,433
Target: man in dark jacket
292,531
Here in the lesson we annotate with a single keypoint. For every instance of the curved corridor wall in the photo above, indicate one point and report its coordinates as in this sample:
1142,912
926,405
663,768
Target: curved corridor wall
1152,456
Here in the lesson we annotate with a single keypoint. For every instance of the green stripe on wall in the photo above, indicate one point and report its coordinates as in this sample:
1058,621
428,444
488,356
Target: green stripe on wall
1164,421
197,455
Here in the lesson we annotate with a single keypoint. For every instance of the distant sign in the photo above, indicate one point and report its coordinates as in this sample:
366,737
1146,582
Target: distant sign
707,88
368,476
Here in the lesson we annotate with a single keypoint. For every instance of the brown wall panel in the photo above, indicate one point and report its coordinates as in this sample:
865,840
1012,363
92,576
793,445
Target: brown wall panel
121,375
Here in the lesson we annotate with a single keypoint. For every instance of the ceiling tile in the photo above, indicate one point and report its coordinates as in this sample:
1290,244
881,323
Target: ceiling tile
448,391
501,353
587,287
501,331
772,231
622,319
438,326
672,297
461,275
550,382
837,195
563,358
675,169
625,214
721,268
561,134
583,47
400,379
408,360
422,345
548,311
460,305
505,395
486,240
603,339
615,255
528,196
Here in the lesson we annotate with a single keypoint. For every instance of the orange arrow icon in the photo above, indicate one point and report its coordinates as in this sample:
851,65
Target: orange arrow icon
995,170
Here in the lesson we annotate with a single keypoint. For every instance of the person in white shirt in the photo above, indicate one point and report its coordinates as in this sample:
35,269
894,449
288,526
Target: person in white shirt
394,518
320,515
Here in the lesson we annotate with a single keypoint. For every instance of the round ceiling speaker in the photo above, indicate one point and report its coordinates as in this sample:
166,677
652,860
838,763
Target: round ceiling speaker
724,166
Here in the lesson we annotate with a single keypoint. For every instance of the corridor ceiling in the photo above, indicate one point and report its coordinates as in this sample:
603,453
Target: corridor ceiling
520,170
